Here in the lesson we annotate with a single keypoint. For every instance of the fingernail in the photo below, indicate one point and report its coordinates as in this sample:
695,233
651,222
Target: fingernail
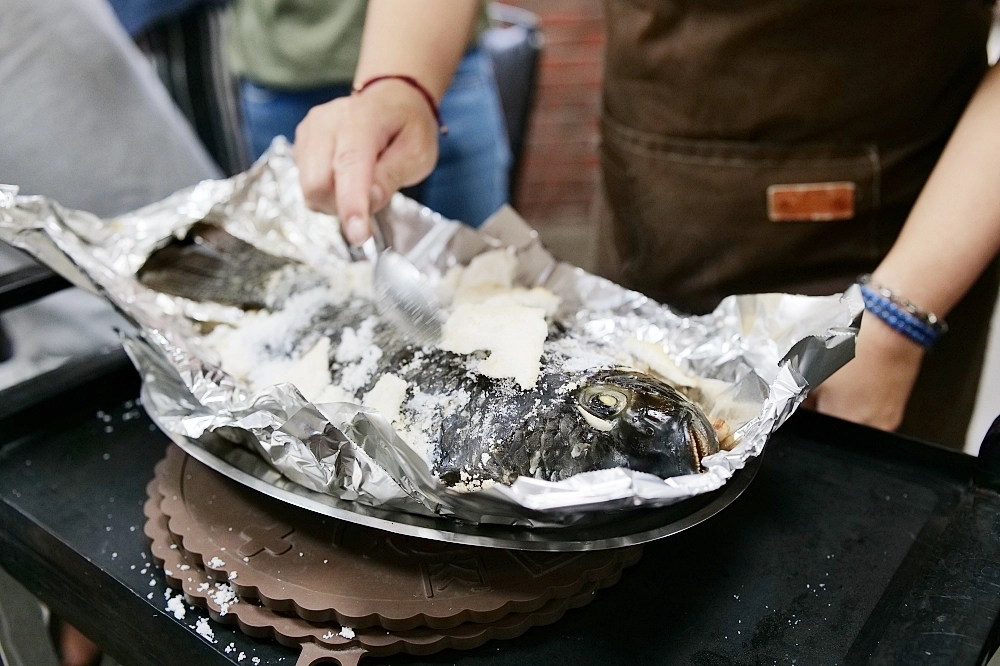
356,230
377,197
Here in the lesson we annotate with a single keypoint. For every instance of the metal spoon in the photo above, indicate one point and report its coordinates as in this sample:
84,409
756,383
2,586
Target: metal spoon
402,294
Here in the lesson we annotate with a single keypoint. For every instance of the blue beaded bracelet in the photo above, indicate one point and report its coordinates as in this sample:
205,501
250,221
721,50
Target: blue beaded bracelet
897,318
922,327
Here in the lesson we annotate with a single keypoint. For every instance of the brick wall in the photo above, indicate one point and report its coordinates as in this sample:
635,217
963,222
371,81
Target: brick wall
559,175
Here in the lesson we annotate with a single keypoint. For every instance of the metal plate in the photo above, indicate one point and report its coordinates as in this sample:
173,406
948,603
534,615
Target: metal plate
617,529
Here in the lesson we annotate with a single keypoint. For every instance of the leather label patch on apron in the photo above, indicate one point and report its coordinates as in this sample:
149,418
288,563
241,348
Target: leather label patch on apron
810,202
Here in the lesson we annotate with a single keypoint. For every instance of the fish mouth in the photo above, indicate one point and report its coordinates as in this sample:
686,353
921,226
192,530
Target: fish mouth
669,446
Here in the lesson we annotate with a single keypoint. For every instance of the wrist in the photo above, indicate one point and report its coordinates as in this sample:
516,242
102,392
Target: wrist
900,314
395,85
878,337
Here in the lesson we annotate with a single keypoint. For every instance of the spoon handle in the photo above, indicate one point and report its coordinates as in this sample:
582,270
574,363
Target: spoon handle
372,247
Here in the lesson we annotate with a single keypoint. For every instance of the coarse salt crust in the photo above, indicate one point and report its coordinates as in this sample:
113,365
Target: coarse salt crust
359,356
495,268
224,596
311,373
420,416
490,277
513,335
387,396
536,297
252,349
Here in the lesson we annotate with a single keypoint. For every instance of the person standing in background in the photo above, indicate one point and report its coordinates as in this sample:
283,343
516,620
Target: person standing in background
767,145
293,56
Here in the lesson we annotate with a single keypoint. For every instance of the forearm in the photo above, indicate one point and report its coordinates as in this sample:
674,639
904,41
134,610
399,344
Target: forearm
422,38
953,230
355,151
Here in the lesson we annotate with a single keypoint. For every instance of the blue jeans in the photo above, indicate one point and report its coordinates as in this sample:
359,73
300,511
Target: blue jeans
470,181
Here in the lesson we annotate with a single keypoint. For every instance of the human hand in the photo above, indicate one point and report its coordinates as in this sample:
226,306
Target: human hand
874,387
353,153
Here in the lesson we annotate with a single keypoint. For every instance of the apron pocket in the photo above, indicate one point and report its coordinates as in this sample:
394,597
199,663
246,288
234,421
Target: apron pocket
696,220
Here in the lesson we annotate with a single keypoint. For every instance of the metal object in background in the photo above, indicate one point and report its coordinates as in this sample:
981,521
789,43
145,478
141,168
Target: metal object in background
188,54
24,285
514,44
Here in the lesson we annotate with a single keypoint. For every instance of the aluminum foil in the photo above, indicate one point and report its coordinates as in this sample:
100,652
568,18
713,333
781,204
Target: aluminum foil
759,354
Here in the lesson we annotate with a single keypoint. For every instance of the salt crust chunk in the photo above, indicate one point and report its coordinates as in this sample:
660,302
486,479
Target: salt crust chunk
486,275
311,373
387,396
495,268
490,314
243,349
512,334
176,606
204,630
332,393
490,276
657,360
537,297
232,355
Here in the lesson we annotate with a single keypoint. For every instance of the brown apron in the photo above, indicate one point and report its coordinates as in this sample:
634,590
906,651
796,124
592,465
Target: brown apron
778,145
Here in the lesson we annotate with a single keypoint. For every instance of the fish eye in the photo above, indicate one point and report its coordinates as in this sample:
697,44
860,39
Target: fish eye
604,402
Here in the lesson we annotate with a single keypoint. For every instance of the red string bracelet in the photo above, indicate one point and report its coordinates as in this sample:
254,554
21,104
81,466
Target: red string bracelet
416,85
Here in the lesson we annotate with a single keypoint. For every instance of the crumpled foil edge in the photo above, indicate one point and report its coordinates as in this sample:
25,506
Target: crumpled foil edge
771,347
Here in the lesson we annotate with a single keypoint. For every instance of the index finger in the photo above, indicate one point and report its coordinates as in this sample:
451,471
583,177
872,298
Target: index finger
314,150
354,168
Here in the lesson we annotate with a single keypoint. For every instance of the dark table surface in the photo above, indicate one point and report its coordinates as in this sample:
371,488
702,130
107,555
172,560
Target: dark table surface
850,547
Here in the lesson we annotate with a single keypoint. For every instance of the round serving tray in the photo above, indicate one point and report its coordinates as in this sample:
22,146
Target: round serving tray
627,527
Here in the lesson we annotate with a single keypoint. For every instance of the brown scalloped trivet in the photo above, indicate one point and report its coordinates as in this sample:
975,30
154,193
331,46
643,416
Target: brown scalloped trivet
326,570
321,643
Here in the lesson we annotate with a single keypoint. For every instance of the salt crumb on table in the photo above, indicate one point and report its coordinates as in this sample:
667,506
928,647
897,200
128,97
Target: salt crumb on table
203,629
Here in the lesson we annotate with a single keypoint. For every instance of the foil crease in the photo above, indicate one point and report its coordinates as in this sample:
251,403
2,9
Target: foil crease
765,350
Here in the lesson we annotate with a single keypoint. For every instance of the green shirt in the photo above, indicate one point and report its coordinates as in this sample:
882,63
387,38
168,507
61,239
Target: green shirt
300,43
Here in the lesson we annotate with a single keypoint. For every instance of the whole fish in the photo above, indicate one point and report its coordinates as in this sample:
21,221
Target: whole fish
471,429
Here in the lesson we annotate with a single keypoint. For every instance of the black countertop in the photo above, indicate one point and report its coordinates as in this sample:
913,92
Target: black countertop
851,546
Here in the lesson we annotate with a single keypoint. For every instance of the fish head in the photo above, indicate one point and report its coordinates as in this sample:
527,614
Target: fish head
650,426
